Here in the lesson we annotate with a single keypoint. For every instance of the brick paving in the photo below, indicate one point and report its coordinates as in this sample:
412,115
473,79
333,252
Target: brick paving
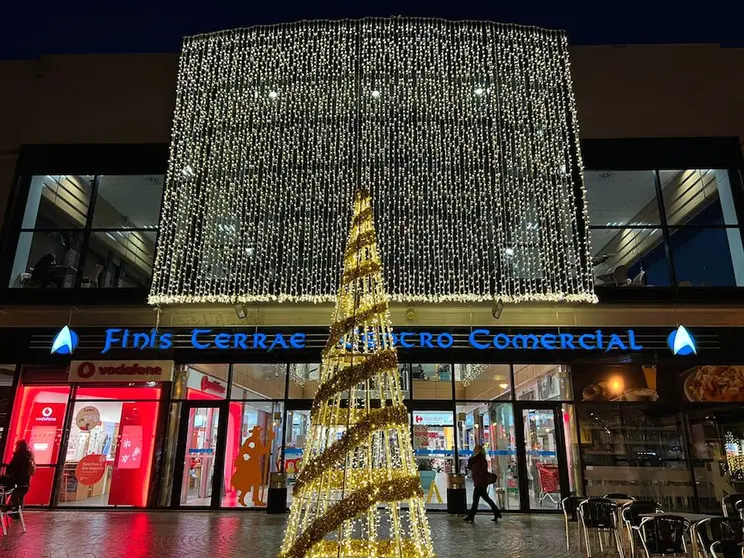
116,534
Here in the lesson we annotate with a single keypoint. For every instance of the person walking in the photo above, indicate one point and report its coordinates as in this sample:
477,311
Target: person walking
478,467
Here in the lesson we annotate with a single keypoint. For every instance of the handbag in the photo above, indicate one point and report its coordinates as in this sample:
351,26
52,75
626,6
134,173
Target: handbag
492,478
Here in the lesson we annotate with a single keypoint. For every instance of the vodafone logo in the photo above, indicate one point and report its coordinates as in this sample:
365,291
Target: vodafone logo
46,415
86,370
46,411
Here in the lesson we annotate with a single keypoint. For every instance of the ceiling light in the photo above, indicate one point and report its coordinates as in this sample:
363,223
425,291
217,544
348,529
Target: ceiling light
503,386
273,94
509,251
375,94
479,91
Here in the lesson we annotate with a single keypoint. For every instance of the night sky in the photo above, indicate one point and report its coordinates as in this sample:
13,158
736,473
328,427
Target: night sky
34,28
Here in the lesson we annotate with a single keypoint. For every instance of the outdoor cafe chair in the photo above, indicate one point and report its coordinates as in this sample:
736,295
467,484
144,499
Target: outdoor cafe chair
664,535
599,515
570,507
720,537
631,515
729,502
11,504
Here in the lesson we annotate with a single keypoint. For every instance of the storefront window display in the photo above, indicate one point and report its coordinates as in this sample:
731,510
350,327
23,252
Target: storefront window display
431,381
39,418
298,427
637,450
542,382
303,380
258,381
110,447
434,448
492,425
483,382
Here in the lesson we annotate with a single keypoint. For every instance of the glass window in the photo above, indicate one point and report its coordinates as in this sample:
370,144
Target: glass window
121,259
434,448
492,425
110,446
707,257
128,202
252,453
541,452
637,450
258,381
298,429
617,198
432,381
46,259
542,382
717,446
58,202
303,380
629,258
700,197
57,250
573,459
482,382
201,381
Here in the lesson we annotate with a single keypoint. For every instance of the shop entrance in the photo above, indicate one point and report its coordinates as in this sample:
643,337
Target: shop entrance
546,468
200,455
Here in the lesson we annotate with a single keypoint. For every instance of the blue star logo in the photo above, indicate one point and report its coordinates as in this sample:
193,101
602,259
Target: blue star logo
681,342
65,342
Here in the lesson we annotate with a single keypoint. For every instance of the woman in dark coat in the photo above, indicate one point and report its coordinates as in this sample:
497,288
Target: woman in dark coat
478,467
18,472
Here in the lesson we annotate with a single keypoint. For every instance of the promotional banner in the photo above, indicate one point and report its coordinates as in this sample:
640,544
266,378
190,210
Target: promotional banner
712,384
624,382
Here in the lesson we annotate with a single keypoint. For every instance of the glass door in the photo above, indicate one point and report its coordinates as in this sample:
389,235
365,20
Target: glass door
199,454
548,436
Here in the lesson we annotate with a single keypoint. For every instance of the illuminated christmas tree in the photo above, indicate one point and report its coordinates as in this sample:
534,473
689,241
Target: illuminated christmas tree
359,493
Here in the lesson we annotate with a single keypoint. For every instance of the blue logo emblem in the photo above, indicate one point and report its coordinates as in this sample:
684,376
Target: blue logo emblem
681,342
65,342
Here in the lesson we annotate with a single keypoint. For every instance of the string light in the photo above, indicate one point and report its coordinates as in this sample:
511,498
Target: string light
358,492
465,133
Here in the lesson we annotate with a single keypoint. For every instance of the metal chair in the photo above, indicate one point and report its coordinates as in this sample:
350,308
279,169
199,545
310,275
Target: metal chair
720,537
739,508
664,535
599,515
570,507
728,503
11,503
631,515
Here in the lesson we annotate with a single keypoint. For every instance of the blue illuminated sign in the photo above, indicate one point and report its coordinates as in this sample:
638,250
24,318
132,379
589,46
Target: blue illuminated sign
681,342
65,342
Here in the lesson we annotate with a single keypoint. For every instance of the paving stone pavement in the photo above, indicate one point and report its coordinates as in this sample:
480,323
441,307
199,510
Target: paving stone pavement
116,534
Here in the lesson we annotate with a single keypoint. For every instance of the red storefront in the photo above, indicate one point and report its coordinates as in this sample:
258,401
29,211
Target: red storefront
94,435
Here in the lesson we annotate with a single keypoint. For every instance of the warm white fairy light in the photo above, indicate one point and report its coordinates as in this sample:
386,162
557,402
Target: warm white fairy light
464,132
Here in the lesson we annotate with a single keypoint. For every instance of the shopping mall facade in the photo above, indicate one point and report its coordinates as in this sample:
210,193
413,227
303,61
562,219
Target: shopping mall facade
182,358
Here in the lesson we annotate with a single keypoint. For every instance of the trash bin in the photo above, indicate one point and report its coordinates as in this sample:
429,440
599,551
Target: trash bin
276,501
457,502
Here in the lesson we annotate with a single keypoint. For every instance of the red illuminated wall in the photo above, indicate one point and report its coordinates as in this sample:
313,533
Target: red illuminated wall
39,417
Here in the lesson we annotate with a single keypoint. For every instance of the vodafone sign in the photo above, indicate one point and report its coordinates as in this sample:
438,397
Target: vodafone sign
117,371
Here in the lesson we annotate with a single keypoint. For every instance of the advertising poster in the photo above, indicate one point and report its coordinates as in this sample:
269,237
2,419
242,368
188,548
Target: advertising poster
90,469
712,384
625,382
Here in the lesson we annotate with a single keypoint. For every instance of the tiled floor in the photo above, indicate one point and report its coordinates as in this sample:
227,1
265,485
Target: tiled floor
88,534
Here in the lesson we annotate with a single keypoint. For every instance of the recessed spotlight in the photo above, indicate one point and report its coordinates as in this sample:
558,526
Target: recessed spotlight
509,251
479,91
273,95
376,94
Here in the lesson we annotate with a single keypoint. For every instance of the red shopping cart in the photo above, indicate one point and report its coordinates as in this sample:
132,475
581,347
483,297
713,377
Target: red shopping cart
550,486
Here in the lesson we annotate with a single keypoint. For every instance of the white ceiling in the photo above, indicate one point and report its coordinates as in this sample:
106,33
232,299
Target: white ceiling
136,197
617,197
